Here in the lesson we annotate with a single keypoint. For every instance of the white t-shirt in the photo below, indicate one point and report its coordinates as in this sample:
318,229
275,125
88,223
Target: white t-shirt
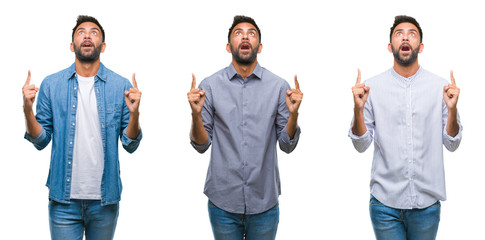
88,155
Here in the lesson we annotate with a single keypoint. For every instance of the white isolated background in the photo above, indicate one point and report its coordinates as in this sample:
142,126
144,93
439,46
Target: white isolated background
325,182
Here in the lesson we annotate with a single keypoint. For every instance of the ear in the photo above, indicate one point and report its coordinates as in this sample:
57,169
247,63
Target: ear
260,48
103,47
72,47
421,47
228,47
389,47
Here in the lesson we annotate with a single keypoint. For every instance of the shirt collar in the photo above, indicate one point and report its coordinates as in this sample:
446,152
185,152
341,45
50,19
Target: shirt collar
102,73
409,79
257,72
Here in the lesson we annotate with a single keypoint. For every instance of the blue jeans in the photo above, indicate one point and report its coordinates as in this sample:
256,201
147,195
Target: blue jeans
404,224
71,221
234,226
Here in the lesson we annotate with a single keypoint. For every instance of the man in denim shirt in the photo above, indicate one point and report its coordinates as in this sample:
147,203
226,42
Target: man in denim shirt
84,109
243,110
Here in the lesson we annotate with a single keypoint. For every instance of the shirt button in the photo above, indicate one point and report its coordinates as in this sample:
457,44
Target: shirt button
409,143
69,163
68,180
75,88
70,143
73,106
73,124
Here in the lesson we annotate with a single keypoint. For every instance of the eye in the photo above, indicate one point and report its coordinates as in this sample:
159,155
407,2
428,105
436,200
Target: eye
237,33
413,34
399,34
80,33
252,34
94,33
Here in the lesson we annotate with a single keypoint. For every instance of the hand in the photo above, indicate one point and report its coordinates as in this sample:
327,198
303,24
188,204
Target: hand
294,97
132,97
361,93
196,97
451,93
29,91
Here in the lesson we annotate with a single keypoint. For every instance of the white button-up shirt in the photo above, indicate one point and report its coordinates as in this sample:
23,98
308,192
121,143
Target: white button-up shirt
406,118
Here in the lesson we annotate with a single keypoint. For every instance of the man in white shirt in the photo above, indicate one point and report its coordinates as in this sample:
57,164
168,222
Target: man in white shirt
410,114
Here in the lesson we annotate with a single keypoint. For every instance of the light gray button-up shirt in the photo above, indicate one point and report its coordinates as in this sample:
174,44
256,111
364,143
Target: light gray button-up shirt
244,119
406,118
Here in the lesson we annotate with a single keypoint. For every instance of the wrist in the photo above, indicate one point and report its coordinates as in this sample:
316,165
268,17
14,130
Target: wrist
452,110
28,110
358,110
135,114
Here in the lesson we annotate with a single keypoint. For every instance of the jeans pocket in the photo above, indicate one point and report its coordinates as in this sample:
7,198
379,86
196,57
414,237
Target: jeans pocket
374,202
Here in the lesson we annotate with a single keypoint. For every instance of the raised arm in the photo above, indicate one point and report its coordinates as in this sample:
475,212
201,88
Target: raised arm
196,98
293,101
361,93
29,92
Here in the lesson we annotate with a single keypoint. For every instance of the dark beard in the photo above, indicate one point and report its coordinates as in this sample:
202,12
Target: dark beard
404,62
244,60
87,58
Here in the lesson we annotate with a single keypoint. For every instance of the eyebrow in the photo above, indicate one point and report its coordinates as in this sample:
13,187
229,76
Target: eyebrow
89,29
402,29
249,29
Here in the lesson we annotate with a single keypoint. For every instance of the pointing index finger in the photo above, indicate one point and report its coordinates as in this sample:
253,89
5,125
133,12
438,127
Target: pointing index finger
27,82
297,85
358,76
452,78
193,82
134,82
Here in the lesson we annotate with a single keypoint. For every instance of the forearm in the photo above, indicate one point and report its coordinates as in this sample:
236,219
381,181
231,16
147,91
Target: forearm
452,126
292,124
358,127
33,127
133,129
198,134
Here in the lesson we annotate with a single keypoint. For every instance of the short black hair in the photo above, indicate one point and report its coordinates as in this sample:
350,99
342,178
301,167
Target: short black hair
82,19
243,19
406,19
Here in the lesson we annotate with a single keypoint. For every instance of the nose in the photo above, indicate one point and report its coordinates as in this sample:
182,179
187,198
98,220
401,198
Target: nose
245,35
87,36
405,37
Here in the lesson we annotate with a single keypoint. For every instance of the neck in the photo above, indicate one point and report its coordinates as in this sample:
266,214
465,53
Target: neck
244,70
87,69
406,71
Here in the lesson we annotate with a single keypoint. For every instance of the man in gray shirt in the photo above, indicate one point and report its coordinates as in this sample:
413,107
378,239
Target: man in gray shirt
410,114
242,110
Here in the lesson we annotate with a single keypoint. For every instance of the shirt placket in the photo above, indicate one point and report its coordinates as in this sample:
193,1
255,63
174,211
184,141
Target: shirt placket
244,143
70,140
409,142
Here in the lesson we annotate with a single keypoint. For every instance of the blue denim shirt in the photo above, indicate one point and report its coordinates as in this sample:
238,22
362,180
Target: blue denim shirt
56,113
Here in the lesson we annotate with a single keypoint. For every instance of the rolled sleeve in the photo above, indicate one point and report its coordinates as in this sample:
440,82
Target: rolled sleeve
201,148
452,143
40,141
361,143
130,145
287,145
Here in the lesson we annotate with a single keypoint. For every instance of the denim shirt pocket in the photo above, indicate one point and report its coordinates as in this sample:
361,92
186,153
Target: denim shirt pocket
113,115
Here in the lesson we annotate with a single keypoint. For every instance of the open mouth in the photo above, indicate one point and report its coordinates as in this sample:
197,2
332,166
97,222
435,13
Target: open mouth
245,46
405,48
87,44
